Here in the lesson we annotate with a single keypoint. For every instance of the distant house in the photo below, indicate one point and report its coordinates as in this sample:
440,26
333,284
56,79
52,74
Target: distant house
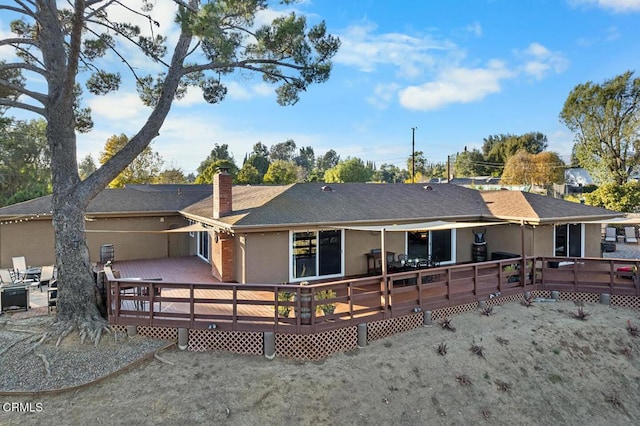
483,183
310,231
575,179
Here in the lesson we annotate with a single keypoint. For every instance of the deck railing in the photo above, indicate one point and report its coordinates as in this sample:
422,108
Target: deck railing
295,308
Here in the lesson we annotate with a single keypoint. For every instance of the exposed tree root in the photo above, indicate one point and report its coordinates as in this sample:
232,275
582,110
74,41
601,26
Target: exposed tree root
91,328
16,342
46,363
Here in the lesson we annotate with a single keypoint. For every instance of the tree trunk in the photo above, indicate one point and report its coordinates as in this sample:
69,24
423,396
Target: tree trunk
77,299
76,304
77,290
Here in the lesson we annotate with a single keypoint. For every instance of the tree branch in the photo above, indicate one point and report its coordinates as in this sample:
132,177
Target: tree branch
17,40
24,11
21,105
24,66
96,182
246,64
21,89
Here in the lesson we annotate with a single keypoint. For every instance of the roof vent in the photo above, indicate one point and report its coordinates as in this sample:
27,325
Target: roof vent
326,188
428,188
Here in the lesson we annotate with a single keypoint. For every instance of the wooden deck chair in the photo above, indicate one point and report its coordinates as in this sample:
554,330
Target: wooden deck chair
630,235
610,234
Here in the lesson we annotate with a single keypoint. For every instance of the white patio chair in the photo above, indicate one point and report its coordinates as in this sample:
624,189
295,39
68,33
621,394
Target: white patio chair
5,277
20,266
46,277
630,235
610,234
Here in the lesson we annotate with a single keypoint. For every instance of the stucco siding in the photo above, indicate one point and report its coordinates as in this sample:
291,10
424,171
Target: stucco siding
265,257
34,239
593,237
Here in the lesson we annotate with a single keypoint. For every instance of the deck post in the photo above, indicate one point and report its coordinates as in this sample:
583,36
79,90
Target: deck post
555,294
605,299
183,338
362,335
269,343
132,330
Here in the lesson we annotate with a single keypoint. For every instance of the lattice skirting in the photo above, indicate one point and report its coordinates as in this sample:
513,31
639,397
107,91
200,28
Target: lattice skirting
119,328
580,297
316,346
321,345
631,302
449,311
162,333
240,342
384,328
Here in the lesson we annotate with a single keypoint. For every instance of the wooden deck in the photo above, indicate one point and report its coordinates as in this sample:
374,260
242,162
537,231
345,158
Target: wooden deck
189,269
182,293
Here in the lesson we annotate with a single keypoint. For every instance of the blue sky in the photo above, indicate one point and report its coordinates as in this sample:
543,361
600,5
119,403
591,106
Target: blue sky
457,70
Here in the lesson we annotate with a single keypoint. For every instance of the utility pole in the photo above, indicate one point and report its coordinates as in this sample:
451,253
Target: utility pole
413,154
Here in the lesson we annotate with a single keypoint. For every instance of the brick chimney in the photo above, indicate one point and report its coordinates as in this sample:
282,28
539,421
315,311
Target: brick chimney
222,202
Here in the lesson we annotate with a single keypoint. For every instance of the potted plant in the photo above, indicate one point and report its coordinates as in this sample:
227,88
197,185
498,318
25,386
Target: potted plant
326,308
511,278
284,310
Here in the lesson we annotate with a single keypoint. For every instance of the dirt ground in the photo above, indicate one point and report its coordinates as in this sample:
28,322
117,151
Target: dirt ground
538,365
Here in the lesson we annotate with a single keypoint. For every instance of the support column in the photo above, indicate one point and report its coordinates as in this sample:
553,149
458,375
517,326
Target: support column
362,335
269,344
427,319
183,338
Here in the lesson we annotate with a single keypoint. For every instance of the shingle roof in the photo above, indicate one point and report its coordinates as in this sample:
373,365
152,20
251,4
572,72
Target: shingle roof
540,209
133,199
348,203
307,203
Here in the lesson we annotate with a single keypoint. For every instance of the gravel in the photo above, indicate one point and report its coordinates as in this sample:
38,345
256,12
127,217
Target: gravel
70,364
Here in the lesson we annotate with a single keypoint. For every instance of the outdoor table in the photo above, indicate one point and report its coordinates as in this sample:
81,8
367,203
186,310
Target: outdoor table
32,273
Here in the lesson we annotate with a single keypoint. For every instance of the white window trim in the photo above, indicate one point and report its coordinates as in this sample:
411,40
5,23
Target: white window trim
454,247
206,259
315,277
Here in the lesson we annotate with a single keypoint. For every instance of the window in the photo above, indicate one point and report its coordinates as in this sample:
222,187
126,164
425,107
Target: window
569,240
203,245
440,245
316,254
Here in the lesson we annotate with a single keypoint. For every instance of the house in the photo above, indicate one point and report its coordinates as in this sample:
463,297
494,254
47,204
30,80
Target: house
309,231
147,210
576,178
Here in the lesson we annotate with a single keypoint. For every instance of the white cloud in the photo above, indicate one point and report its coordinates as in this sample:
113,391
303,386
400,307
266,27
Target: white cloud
365,50
540,61
125,106
456,85
475,29
383,94
617,6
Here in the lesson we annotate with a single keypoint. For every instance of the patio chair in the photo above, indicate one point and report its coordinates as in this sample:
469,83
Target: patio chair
610,234
5,277
52,296
20,266
46,277
8,277
630,235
